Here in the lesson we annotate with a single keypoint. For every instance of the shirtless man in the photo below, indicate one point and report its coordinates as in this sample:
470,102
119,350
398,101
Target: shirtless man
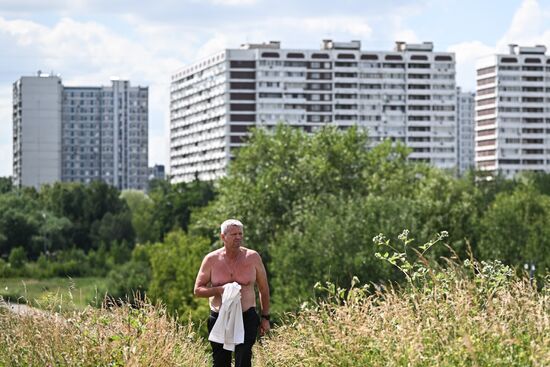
234,263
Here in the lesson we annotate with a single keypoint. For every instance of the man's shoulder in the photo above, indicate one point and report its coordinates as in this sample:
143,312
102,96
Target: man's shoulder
249,253
214,255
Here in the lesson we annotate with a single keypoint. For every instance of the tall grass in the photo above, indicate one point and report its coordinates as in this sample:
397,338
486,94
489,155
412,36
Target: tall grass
473,315
123,335
470,314
451,324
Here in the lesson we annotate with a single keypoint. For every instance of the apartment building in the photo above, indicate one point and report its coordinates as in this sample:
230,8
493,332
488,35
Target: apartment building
465,117
79,134
407,95
513,112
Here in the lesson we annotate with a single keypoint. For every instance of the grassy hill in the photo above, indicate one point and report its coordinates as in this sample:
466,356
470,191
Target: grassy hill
474,315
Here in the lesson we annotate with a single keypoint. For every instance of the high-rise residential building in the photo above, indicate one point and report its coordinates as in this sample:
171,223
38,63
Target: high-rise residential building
465,118
79,134
37,125
406,95
157,172
513,112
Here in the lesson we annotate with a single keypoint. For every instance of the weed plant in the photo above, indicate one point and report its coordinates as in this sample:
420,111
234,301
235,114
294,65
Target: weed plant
462,314
468,314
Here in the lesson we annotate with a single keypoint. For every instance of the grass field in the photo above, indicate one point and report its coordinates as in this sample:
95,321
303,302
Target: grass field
68,292
453,319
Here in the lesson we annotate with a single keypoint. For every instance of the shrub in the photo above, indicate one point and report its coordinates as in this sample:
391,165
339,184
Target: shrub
131,280
17,258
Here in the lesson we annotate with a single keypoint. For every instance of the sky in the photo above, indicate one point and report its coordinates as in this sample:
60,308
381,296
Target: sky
87,42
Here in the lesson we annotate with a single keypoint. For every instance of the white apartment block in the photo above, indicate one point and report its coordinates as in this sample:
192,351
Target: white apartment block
79,134
513,112
37,130
465,117
406,95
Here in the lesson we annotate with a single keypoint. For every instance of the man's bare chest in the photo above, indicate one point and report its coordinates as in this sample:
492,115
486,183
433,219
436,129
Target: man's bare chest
242,272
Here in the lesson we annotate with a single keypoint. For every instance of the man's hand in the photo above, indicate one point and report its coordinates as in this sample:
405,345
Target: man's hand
264,326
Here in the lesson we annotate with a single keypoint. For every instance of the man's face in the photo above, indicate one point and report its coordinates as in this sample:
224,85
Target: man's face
233,237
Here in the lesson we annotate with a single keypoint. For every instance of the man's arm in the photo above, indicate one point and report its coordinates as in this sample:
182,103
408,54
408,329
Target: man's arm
263,288
203,287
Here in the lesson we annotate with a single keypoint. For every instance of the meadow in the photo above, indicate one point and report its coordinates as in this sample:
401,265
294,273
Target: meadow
476,314
64,292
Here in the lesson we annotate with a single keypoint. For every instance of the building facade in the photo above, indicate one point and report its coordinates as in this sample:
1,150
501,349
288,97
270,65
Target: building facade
406,95
465,117
513,112
157,172
80,134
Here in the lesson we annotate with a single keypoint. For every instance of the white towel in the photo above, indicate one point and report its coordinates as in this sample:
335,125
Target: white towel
229,327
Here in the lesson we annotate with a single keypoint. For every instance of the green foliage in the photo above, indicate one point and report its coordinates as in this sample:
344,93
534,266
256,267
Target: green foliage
96,212
130,281
326,242
275,172
516,228
6,185
410,261
17,258
174,266
113,228
172,205
19,222
142,209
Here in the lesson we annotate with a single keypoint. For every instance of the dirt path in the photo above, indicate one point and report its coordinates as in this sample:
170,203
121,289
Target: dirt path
21,309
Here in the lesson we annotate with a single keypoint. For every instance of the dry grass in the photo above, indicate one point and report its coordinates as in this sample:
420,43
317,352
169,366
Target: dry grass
110,336
459,321
453,325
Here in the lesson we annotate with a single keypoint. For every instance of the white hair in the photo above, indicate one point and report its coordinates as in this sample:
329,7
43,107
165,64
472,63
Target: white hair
230,223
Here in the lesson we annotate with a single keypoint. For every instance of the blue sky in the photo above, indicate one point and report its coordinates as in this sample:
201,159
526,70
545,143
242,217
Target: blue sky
87,42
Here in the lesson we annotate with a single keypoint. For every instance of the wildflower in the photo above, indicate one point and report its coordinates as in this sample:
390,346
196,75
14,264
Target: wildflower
379,239
404,235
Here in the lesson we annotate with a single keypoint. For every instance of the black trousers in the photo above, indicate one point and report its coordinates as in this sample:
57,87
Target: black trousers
243,352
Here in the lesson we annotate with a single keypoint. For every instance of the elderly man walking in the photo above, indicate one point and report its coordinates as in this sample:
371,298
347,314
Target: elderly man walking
229,275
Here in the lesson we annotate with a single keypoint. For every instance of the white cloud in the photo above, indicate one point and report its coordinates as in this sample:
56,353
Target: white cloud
467,54
406,35
352,25
530,26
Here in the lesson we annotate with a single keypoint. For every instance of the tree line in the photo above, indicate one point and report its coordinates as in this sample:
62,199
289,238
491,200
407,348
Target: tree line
311,205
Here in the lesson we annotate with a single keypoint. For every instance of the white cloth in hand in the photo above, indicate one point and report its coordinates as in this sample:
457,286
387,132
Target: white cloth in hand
229,327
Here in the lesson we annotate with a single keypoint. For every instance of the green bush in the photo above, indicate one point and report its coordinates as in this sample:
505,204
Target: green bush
130,281
17,258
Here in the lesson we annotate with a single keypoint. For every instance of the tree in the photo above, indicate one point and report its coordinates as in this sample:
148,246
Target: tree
6,185
113,228
91,209
516,228
329,240
18,257
276,171
19,223
173,204
143,220
131,279
174,266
